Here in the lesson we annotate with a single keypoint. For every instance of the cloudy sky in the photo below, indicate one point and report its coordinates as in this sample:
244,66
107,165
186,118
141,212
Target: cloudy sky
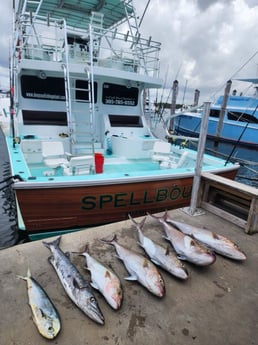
204,42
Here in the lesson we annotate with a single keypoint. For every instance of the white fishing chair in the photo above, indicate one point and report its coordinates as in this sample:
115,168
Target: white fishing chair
81,165
53,154
161,151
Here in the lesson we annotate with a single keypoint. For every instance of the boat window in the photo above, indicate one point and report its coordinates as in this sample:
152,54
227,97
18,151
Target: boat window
125,121
214,113
243,117
47,118
82,90
114,94
43,87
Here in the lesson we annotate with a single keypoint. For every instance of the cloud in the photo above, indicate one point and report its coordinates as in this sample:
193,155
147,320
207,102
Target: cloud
203,42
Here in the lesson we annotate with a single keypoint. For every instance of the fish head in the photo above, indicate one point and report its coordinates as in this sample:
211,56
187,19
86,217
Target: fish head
202,255
155,282
233,251
49,327
93,310
114,294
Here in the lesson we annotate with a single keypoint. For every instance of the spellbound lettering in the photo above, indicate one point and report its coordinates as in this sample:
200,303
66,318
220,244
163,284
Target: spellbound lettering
116,200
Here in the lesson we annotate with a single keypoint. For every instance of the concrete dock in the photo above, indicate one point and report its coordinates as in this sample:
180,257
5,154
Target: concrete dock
217,305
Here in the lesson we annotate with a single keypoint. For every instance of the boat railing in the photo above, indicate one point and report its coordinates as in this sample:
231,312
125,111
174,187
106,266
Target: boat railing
44,39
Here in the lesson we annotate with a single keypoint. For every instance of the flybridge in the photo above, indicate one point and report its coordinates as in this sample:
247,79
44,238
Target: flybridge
60,31
77,14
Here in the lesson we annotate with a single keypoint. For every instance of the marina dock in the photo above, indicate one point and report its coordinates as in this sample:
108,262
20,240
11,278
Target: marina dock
216,305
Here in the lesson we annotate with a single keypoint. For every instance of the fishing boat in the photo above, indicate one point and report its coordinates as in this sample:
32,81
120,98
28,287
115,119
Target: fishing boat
81,152
233,119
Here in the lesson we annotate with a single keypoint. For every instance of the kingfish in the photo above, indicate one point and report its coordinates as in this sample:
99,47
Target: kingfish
45,315
216,242
140,268
159,255
76,287
186,247
104,280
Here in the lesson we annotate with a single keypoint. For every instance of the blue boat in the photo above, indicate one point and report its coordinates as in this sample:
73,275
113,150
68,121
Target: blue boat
239,121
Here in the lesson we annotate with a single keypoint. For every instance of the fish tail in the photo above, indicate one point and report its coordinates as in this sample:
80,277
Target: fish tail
114,239
54,243
161,219
134,221
84,251
24,278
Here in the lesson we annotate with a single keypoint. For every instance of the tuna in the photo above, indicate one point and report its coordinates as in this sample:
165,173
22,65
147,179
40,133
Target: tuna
159,255
104,280
186,247
216,242
45,315
140,268
76,287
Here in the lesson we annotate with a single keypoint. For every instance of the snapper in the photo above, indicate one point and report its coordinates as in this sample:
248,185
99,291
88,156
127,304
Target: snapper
140,268
159,255
186,247
104,280
216,242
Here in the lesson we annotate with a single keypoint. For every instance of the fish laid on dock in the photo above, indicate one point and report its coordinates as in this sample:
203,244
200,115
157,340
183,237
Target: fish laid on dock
140,268
159,255
186,247
45,315
76,287
216,242
104,280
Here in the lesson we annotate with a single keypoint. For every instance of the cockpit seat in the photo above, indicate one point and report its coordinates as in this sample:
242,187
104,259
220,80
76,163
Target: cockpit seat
53,154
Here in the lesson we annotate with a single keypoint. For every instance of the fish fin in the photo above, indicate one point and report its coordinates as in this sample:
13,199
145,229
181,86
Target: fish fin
24,278
134,221
21,277
107,274
139,243
155,262
215,236
145,262
181,257
131,278
50,259
54,243
114,239
76,284
94,286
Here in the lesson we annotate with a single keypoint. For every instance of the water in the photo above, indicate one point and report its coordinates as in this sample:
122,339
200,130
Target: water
9,234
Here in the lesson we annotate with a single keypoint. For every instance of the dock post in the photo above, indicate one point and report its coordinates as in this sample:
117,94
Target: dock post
192,210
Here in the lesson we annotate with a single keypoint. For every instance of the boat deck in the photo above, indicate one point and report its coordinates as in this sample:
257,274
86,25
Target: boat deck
216,305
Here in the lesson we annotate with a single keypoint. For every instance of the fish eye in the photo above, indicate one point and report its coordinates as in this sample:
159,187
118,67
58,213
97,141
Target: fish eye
92,299
51,329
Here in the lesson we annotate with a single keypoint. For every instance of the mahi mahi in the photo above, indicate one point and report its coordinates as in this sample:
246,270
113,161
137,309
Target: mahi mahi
186,247
159,255
216,242
76,287
45,315
140,268
104,280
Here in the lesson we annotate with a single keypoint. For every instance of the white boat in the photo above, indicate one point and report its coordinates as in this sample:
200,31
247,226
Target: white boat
235,122
80,149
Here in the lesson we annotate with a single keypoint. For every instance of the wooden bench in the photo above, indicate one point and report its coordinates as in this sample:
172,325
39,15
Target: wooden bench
231,200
